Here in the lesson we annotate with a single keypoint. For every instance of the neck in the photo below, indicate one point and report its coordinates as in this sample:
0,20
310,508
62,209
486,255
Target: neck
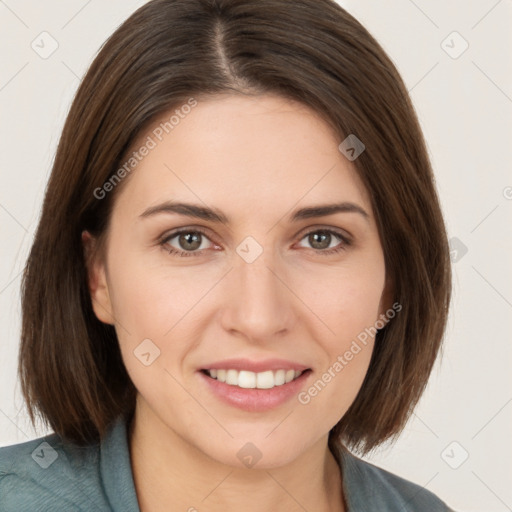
171,474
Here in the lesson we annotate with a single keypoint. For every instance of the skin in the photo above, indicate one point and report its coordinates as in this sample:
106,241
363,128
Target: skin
257,159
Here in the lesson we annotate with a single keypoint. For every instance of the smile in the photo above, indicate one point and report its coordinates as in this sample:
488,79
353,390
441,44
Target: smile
251,380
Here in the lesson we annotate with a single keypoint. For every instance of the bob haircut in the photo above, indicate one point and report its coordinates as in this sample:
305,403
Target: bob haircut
311,51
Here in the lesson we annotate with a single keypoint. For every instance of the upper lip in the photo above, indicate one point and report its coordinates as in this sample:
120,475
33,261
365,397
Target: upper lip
255,366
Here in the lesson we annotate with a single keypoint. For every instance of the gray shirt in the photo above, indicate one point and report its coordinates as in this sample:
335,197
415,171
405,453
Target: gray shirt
46,475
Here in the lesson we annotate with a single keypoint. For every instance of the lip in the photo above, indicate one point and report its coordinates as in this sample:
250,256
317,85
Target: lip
254,400
255,366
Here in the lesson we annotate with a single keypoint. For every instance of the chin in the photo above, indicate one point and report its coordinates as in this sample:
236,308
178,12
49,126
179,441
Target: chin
247,454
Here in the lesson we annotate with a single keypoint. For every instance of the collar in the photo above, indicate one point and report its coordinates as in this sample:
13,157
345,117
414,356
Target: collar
115,469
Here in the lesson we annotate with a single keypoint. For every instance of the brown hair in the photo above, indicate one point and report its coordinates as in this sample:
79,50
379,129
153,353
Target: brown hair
311,51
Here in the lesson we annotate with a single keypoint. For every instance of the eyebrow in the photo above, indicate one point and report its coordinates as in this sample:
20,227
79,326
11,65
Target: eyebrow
215,215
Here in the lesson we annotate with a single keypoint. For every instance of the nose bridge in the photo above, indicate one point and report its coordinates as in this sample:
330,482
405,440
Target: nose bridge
258,303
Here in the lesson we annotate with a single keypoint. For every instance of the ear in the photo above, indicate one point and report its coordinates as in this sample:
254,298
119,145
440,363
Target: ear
97,280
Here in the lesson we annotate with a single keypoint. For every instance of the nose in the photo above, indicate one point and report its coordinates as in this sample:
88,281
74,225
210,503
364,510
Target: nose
259,303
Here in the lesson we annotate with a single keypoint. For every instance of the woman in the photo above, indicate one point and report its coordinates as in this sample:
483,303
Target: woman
240,273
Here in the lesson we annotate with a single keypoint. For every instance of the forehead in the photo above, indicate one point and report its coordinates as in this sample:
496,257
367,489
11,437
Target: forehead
262,152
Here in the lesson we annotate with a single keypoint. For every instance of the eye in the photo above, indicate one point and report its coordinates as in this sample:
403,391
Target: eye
321,239
187,239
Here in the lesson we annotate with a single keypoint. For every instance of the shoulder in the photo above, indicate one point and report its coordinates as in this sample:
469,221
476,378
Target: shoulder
369,488
46,474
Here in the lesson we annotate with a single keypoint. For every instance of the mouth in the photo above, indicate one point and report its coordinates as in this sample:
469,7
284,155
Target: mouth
254,380
255,392
254,384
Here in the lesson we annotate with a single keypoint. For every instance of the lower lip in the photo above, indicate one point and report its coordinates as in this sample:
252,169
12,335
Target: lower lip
255,400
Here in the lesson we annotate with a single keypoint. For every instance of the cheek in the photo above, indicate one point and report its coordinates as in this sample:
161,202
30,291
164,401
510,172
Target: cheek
350,312
156,308
348,298
349,309
148,297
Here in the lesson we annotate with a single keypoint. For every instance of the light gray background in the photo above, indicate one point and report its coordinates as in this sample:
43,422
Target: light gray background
464,105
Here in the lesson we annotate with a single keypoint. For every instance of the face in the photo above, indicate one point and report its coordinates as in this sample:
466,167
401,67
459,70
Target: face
243,275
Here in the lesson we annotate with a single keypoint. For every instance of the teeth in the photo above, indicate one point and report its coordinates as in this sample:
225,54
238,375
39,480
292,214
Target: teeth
251,380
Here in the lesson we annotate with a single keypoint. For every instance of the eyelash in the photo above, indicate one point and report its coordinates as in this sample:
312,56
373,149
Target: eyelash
345,242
